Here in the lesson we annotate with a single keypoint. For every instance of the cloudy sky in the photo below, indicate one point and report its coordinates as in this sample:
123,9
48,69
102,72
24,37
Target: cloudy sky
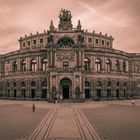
119,18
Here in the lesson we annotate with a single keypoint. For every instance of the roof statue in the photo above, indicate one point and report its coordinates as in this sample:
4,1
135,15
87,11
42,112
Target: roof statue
65,15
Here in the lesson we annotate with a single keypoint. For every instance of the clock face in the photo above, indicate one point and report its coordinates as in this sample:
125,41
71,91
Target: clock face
65,42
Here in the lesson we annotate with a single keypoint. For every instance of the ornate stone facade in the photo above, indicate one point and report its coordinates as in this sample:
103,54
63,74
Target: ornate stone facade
71,62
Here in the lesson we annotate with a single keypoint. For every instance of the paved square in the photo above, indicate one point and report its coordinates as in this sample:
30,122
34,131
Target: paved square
105,120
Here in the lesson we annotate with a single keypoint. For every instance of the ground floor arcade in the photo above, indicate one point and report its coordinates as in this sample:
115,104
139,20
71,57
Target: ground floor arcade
70,86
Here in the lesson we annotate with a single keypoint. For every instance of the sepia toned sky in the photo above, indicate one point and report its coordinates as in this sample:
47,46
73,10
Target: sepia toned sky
119,18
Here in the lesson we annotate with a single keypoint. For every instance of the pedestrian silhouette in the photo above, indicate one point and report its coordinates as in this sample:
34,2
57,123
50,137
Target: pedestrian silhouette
133,101
33,107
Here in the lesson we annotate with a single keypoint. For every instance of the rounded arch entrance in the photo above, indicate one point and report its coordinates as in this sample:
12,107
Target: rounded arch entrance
66,88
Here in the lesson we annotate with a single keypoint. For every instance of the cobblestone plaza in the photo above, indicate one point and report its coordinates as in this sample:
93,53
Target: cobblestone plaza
105,120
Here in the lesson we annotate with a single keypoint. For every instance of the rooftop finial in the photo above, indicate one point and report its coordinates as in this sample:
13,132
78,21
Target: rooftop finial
51,26
79,26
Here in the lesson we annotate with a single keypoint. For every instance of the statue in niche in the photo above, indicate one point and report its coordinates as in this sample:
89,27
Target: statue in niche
50,39
77,92
80,39
54,92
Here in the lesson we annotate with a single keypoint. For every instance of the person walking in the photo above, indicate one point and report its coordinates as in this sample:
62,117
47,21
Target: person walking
61,97
33,107
133,101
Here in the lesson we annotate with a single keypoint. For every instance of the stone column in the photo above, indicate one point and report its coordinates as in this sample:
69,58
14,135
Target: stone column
82,60
39,63
28,88
28,65
91,88
104,89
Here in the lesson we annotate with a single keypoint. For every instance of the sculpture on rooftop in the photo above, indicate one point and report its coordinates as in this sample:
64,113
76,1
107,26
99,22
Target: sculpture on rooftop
65,15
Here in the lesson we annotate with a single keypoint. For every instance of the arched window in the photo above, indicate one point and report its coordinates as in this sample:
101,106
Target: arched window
15,66
118,90
23,90
44,84
98,64
118,84
8,85
14,84
109,84
33,65
124,89
117,64
124,84
44,64
33,84
65,64
124,66
99,84
23,84
23,65
108,65
86,64
87,84
98,89
87,89
44,89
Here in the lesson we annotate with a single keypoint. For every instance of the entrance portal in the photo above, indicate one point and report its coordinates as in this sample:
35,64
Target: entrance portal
66,92
33,93
65,87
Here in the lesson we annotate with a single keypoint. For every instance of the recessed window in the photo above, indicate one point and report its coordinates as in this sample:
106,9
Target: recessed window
34,41
41,40
108,44
65,64
96,41
28,43
86,64
89,40
23,44
103,42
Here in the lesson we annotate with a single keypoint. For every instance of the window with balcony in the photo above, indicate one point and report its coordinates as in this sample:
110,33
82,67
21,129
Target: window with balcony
34,65
98,64
86,64
44,64
117,64
23,65
108,65
15,66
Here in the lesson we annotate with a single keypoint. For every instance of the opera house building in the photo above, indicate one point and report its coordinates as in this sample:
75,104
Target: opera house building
71,62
